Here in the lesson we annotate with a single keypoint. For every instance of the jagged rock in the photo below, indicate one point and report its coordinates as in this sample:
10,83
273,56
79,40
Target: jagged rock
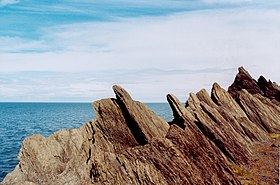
259,100
276,86
58,159
270,104
224,99
203,96
201,152
243,80
111,122
95,152
128,144
108,151
270,90
265,117
214,126
143,123
235,115
179,112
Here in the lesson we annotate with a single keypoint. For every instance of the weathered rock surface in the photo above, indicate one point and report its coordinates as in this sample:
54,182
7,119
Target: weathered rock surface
141,121
128,144
243,80
263,115
218,130
270,90
259,100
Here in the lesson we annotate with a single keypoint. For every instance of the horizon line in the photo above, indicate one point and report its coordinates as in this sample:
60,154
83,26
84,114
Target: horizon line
60,102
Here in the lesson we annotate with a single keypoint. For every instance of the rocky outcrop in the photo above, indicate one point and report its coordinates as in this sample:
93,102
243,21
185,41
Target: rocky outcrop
95,153
263,87
258,99
219,125
128,144
270,90
243,80
265,116
140,120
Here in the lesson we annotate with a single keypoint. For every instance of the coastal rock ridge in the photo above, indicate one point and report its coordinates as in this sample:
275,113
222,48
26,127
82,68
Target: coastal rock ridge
210,140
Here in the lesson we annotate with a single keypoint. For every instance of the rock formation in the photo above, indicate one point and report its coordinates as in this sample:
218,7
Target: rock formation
243,80
128,144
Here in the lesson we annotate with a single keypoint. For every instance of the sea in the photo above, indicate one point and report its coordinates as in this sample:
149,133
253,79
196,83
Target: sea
19,120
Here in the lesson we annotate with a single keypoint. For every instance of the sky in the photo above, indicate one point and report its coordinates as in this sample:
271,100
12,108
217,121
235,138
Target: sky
75,50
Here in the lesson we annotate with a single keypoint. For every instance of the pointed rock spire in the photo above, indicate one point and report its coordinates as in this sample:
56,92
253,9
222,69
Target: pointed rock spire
269,89
112,123
243,80
203,96
180,113
128,144
143,123
234,114
222,98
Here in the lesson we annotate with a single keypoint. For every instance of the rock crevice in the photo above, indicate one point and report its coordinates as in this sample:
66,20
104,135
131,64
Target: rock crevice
127,143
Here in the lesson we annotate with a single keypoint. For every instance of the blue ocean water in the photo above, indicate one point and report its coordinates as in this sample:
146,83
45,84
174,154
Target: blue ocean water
19,120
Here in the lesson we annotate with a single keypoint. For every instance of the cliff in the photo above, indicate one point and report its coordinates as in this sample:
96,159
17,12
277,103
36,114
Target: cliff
210,140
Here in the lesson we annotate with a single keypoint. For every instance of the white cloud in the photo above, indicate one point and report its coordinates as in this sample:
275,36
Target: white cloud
189,41
7,2
17,44
80,86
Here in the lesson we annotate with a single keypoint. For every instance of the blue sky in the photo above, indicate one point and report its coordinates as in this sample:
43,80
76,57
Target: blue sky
70,50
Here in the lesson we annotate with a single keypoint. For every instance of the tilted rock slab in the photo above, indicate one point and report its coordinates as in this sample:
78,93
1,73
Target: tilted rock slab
243,80
128,144
224,134
258,99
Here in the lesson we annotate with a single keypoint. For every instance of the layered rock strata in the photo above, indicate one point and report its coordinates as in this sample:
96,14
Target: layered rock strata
129,144
243,80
